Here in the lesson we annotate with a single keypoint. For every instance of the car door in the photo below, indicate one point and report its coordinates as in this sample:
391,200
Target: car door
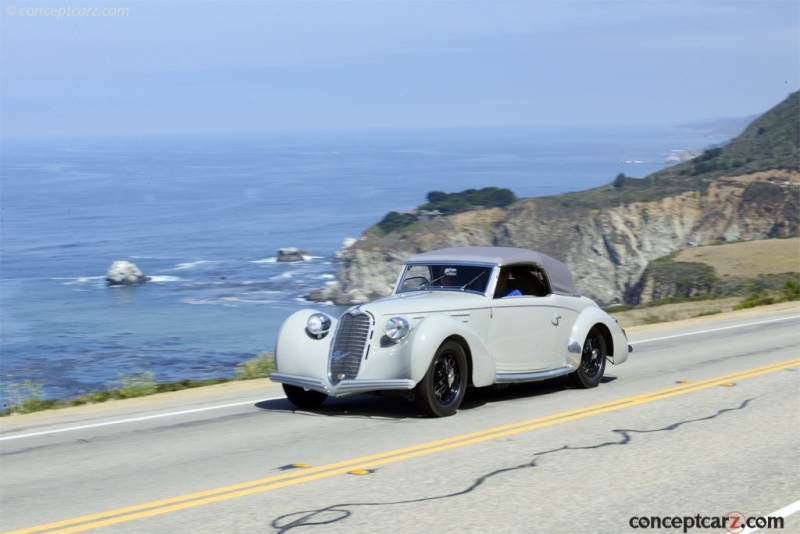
529,333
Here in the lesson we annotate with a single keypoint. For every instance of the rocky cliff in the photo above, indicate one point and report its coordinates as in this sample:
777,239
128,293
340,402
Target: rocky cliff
609,235
608,249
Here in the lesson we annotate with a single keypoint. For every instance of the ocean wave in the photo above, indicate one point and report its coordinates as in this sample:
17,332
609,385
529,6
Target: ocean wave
306,258
81,280
228,301
162,278
191,264
284,276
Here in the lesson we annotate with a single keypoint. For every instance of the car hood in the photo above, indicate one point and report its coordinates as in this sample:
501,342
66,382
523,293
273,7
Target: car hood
425,302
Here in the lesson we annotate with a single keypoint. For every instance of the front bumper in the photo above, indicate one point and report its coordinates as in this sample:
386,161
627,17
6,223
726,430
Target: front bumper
345,387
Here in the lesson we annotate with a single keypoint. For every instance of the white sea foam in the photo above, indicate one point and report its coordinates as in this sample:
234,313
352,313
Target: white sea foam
229,301
81,280
165,279
284,276
191,264
266,260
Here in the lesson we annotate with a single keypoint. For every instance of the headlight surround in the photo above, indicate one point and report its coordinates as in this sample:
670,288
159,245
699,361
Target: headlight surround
395,328
318,325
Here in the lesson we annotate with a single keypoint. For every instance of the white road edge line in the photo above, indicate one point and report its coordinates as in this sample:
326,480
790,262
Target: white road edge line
196,410
784,512
714,330
137,419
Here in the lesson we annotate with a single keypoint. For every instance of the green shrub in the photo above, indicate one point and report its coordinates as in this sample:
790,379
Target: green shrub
24,397
395,221
259,366
488,197
762,298
791,290
137,384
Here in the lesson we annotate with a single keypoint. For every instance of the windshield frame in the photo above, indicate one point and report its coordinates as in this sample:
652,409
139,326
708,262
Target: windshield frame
489,274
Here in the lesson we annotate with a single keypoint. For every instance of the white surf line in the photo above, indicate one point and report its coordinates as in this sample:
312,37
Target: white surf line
714,330
784,512
137,419
196,410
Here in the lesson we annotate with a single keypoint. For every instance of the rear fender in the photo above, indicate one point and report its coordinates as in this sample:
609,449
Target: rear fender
616,341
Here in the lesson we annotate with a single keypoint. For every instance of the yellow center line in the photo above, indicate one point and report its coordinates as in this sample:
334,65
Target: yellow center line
300,476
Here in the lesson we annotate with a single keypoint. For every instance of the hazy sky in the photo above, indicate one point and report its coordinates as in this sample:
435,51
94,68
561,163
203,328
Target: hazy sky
224,66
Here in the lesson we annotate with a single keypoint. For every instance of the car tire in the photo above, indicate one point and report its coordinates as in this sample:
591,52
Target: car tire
441,391
304,398
593,361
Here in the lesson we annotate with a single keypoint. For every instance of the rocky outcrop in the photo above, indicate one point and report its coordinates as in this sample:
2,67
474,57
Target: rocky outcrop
290,254
608,249
339,255
125,273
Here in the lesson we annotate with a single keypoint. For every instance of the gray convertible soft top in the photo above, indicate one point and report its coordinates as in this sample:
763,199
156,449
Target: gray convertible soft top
557,272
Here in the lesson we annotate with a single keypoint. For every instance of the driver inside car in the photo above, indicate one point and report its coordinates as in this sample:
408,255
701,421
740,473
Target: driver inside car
504,286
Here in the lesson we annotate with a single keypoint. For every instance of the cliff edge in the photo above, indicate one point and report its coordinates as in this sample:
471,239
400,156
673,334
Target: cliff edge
747,190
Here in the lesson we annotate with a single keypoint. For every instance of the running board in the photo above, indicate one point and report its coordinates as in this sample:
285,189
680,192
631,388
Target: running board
509,378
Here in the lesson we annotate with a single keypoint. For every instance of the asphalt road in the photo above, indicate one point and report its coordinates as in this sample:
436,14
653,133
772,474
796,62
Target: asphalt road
702,422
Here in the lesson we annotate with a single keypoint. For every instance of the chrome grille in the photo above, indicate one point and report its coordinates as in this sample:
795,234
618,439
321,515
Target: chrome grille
349,346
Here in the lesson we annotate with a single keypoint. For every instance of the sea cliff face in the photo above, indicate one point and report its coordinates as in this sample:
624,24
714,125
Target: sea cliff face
608,249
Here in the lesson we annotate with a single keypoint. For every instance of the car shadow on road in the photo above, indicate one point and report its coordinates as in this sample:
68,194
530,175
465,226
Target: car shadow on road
396,407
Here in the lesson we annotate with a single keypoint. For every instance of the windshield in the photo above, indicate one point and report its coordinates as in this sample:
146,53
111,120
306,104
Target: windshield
443,277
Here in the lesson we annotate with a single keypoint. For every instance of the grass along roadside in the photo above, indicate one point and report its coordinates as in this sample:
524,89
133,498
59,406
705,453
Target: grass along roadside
677,308
27,396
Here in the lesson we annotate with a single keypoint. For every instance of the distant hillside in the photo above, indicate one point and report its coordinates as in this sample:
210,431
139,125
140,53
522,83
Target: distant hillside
769,143
772,141
726,128
748,189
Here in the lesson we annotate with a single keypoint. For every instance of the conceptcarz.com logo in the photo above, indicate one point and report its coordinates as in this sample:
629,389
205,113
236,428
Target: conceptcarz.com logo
733,522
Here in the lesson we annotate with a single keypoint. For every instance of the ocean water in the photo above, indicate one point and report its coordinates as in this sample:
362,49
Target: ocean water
205,216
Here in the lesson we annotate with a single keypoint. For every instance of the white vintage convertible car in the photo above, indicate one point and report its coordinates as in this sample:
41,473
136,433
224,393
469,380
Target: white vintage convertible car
458,317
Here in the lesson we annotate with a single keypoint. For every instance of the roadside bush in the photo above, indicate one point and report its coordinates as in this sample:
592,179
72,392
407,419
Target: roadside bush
259,366
762,298
791,291
137,384
24,397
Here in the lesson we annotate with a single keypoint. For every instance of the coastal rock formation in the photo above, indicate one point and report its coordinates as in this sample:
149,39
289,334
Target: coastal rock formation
291,254
608,249
747,189
125,273
348,242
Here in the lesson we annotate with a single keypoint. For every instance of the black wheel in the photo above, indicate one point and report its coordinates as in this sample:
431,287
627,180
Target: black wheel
593,361
304,398
441,391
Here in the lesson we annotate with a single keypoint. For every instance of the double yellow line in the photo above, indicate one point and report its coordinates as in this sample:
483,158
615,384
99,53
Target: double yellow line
300,476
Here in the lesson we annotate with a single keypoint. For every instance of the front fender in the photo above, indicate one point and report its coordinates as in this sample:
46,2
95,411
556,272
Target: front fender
299,353
428,335
616,340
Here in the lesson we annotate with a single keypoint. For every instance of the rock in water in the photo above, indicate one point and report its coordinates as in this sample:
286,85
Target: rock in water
125,273
291,254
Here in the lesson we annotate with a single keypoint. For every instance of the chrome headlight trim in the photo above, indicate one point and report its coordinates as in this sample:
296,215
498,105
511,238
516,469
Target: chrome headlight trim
396,328
318,325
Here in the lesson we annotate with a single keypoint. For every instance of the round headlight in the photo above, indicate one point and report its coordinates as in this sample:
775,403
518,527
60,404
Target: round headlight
318,324
396,328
